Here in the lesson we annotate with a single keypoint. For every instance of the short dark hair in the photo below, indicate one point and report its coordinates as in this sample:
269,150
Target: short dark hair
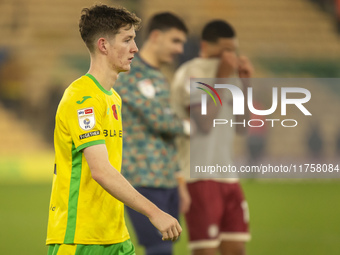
165,21
217,29
104,20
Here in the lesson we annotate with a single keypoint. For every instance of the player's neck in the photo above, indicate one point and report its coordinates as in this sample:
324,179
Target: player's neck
148,55
204,54
105,76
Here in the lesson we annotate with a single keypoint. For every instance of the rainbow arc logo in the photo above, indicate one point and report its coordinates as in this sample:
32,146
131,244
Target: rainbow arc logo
204,96
207,91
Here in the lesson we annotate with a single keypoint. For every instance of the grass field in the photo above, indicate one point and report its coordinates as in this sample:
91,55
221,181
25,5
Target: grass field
286,218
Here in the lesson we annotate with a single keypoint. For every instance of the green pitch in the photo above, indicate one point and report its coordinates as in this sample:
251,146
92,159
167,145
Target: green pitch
286,218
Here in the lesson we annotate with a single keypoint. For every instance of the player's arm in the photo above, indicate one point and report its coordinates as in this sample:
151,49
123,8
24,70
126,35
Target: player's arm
151,110
115,184
180,93
230,64
245,72
180,96
184,195
227,67
204,122
157,118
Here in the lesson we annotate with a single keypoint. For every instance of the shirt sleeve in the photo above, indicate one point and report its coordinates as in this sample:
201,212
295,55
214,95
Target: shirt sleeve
85,123
155,112
183,93
180,93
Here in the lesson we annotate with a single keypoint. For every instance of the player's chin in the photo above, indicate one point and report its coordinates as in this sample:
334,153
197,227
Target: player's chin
169,60
125,68
172,57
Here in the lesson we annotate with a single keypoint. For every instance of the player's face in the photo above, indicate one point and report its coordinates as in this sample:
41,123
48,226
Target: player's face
170,44
122,49
222,44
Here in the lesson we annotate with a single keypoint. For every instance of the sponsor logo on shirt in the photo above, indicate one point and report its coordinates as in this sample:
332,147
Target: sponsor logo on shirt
53,207
86,118
113,133
90,134
84,99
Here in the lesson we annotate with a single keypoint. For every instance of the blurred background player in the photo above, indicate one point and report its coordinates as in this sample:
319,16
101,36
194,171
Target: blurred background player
149,158
218,216
86,213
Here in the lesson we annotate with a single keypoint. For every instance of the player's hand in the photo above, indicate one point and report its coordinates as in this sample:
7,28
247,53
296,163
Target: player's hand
245,69
167,225
229,64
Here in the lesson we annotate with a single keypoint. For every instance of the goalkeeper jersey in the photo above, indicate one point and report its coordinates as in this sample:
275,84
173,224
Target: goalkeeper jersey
81,211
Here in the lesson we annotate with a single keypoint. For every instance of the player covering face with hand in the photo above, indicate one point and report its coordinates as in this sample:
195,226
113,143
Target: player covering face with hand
218,216
88,194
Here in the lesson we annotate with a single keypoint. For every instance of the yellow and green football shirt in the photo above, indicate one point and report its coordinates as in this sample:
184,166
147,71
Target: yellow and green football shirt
81,211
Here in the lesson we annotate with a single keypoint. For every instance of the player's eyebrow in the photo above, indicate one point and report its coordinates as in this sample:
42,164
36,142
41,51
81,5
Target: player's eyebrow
129,37
178,40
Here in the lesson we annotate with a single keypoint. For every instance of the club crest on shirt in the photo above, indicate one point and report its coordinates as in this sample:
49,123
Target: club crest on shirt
86,118
146,88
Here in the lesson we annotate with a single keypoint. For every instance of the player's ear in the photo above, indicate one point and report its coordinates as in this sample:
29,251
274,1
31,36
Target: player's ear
102,45
155,35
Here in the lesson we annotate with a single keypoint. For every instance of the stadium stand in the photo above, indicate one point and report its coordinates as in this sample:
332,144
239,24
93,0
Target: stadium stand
293,35
15,135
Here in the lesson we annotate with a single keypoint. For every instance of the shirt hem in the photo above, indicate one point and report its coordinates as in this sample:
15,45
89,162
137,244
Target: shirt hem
175,185
89,241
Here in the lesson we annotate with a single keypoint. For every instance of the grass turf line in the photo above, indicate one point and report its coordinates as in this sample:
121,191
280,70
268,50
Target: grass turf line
286,218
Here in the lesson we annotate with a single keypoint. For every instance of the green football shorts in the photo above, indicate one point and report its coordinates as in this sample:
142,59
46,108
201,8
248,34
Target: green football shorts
124,248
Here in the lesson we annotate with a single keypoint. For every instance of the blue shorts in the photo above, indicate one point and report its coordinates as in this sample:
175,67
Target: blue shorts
166,199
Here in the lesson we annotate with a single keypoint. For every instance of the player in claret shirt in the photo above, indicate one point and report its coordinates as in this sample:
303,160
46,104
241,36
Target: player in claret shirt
218,216
86,213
